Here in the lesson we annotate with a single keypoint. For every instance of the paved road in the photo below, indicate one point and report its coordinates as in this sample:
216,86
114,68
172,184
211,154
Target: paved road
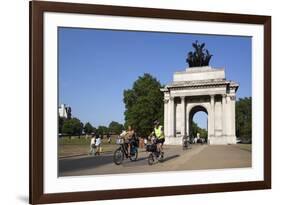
199,157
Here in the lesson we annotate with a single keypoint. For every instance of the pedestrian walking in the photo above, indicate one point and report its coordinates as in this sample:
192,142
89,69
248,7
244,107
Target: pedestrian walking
98,145
92,145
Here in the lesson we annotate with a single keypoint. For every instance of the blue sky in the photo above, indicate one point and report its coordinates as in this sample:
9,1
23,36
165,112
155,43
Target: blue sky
95,66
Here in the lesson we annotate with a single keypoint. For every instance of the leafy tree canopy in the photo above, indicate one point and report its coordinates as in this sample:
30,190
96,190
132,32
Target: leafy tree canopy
144,104
102,130
244,118
115,127
196,129
72,127
61,122
88,128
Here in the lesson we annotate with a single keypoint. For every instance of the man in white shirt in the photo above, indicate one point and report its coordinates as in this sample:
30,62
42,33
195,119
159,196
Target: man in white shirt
92,145
98,145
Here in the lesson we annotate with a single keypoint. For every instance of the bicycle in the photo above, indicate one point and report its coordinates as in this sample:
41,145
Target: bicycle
155,155
186,142
122,151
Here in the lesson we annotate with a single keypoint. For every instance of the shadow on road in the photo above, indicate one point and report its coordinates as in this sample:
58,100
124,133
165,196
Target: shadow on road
83,163
140,162
170,157
141,158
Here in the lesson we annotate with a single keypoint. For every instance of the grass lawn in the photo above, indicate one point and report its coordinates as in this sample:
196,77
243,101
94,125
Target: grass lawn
81,146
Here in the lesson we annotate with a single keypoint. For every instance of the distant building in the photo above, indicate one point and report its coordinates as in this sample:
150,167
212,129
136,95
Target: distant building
64,111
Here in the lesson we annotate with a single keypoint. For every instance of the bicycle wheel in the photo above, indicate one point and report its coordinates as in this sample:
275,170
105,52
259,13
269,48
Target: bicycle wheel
118,156
134,157
161,159
185,146
151,159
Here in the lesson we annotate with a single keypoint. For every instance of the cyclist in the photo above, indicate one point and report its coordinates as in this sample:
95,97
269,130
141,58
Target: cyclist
129,139
160,137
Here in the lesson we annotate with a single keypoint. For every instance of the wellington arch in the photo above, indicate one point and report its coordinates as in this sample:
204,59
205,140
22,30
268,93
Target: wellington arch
200,89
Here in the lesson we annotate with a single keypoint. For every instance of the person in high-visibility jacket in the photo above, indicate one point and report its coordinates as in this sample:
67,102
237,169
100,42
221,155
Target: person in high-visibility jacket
160,137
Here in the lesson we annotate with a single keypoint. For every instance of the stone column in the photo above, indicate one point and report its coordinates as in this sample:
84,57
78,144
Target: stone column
228,116
187,118
223,115
166,111
212,116
183,115
172,117
230,119
233,126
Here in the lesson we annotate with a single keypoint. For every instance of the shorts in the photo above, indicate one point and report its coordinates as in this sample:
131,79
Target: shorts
158,141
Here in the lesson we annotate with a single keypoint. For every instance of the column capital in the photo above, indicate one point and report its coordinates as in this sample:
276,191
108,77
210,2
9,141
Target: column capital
232,97
227,98
212,99
171,98
183,99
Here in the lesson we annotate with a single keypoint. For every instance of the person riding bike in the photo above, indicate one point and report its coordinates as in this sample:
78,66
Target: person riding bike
129,137
160,137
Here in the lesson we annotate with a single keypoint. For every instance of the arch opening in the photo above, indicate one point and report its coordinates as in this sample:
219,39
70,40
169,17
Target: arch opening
198,124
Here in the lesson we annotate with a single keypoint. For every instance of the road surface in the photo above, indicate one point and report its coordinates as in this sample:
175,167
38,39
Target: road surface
198,158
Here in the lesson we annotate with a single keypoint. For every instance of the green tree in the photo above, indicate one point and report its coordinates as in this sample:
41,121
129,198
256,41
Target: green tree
88,128
196,129
61,122
102,130
115,127
144,104
203,132
72,127
244,118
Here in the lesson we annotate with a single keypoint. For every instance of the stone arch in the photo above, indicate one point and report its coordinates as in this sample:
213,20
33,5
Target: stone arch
191,112
205,89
